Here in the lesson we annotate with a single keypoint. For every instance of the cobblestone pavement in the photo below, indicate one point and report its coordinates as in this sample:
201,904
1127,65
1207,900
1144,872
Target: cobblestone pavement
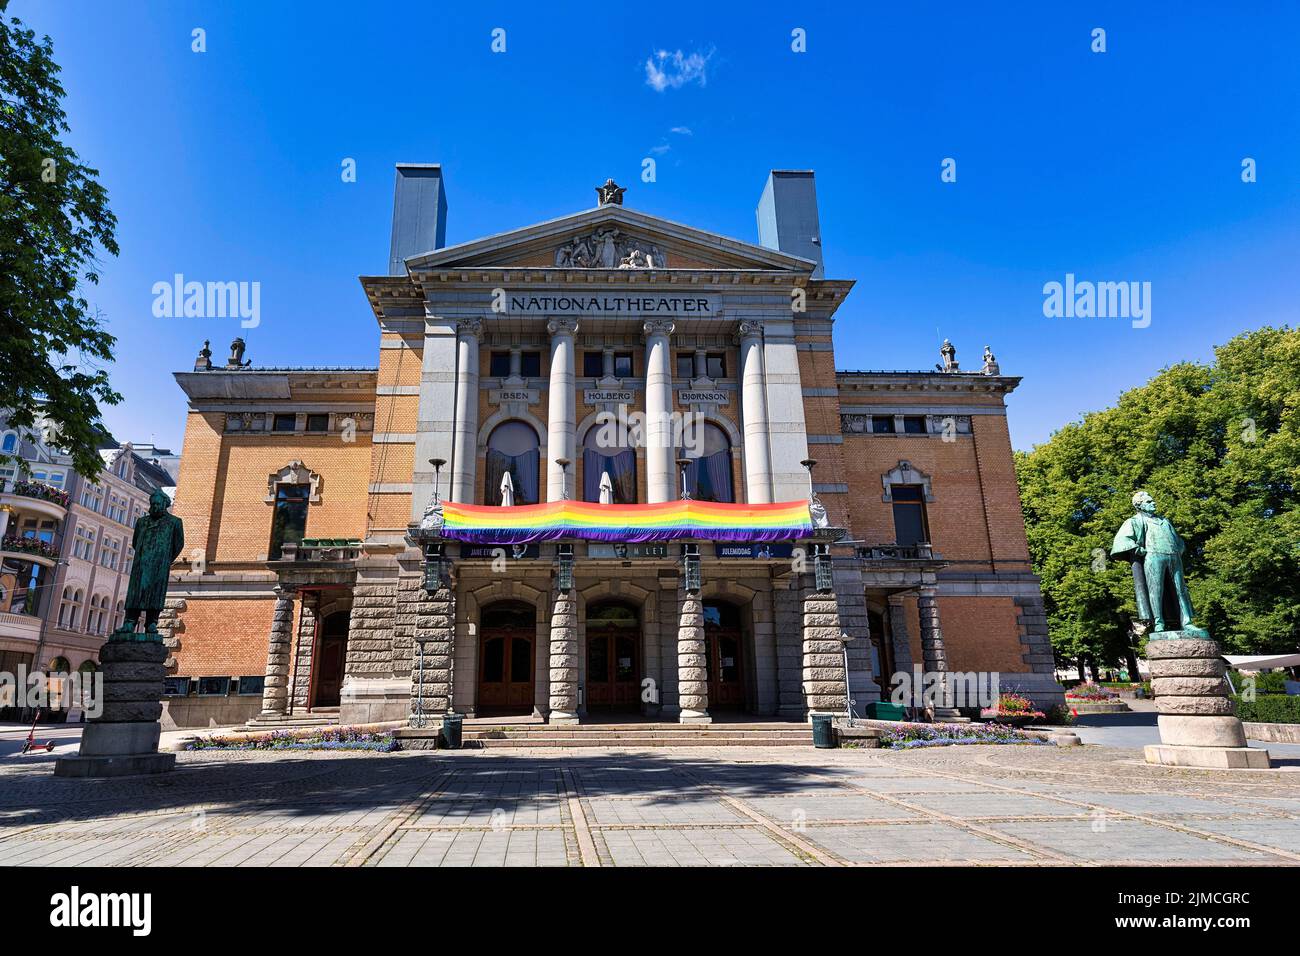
688,807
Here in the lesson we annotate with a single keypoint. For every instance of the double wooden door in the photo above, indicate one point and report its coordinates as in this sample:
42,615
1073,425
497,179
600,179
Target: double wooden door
613,668
722,655
506,671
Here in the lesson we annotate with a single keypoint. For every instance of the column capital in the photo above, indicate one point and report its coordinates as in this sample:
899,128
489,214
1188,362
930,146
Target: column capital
658,327
473,327
749,329
285,592
927,591
562,326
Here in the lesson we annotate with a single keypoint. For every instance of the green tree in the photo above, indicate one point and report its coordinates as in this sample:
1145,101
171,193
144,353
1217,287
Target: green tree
54,219
1218,447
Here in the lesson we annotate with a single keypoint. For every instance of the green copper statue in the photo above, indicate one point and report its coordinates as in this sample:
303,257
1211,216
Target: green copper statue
1150,542
159,538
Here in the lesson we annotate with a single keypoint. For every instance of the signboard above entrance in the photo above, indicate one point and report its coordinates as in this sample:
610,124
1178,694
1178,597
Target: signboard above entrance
615,304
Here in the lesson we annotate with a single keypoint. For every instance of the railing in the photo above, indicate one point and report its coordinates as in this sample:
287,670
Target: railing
38,490
896,552
322,549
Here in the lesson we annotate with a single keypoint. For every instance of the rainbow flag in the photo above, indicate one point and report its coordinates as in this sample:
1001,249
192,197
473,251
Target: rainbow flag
708,520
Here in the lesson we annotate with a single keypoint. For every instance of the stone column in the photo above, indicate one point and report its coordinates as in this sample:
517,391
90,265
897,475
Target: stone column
562,421
825,684
275,695
1198,724
934,655
435,628
692,668
465,429
4,514
758,461
898,636
660,450
564,659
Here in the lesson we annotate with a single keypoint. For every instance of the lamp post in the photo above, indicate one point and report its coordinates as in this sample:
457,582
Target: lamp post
810,464
437,477
682,464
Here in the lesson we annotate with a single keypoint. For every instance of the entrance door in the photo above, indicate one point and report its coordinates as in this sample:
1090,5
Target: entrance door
723,647
331,657
613,658
507,632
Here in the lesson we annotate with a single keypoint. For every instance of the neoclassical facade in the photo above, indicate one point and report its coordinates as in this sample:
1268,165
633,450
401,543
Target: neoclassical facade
604,465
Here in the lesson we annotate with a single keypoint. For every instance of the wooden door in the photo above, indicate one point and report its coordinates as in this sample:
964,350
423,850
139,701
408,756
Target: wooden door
613,668
506,670
329,670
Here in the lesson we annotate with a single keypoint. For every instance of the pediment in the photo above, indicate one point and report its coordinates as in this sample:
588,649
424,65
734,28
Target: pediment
609,237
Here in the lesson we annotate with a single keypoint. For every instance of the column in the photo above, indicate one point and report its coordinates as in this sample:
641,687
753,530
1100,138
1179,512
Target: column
561,423
933,654
660,451
465,429
692,669
825,683
753,410
564,659
4,516
275,693
435,628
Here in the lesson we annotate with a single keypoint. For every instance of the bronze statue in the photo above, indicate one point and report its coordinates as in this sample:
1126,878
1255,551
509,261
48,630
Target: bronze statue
1151,544
158,539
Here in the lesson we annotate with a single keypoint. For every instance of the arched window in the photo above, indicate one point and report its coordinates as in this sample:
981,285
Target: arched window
708,475
75,616
605,451
60,665
512,447
65,608
10,442
120,617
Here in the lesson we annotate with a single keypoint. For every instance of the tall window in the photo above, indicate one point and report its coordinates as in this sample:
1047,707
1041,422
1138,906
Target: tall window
910,525
289,523
618,461
708,476
512,447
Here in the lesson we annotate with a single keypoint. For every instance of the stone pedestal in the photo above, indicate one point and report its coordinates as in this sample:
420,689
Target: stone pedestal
1197,725
824,681
123,740
564,659
692,667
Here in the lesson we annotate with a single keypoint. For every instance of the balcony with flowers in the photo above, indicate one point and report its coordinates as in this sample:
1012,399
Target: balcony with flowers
34,498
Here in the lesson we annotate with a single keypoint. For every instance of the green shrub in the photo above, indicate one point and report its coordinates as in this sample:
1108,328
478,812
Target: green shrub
1269,709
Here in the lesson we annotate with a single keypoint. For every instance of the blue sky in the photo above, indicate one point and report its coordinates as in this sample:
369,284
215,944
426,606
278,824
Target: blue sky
1116,166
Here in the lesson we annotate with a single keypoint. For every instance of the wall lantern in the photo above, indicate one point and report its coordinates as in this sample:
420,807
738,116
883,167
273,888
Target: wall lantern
691,565
822,567
433,570
564,574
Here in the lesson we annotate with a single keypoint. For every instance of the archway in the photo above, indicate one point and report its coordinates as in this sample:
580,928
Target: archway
507,636
331,658
613,657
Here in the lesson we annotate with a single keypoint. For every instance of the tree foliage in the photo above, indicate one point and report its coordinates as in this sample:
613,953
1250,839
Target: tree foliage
54,219
1218,447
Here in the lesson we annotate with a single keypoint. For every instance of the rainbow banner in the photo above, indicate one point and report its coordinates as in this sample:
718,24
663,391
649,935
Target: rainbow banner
708,520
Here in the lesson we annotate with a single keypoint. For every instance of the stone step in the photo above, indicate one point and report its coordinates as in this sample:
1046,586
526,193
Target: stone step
707,740
288,723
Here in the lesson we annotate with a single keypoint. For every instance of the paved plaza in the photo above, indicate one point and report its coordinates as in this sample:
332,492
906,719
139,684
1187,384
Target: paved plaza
787,806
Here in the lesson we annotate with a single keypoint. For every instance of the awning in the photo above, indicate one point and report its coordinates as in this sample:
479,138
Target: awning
1261,662
707,520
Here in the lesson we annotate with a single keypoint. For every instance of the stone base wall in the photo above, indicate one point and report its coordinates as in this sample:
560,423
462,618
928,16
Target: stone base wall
183,713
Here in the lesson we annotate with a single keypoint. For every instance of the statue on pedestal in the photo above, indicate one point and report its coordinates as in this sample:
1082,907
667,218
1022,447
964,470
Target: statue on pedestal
1151,544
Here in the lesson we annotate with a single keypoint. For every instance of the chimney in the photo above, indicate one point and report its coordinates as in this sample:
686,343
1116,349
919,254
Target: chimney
787,216
419,213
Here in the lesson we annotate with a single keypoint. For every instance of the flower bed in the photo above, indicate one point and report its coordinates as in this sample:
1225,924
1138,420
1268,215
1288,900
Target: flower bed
1013,709
909,736
333,738
1091,692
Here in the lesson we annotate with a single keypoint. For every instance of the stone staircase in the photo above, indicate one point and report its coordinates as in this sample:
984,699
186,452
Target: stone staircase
495,735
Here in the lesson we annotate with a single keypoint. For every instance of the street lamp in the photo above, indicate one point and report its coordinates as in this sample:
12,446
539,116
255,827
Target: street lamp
683,463
564,464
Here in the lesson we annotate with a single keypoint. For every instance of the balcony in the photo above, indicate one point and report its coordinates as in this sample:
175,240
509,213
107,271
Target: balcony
34,498
893,553
29,549
20,627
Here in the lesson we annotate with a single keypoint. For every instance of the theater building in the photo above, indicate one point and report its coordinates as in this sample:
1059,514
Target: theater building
605,464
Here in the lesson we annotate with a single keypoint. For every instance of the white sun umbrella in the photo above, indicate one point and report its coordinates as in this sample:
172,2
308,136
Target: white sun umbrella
606,489
507,491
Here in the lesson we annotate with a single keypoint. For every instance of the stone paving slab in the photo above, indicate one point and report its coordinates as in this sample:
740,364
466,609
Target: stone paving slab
748,806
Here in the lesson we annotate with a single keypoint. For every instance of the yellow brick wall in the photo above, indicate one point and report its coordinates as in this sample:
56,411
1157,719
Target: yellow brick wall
224,637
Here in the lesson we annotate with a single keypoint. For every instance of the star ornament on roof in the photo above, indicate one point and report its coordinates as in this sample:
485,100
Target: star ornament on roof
611,194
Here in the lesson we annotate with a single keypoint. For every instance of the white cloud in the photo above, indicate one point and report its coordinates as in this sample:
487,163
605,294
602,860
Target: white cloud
665,70
661,149
682,131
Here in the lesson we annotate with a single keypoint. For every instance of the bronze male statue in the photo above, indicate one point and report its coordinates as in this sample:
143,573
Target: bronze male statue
1150,542
159,538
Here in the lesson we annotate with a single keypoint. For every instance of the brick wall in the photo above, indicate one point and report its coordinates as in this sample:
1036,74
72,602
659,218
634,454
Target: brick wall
223,636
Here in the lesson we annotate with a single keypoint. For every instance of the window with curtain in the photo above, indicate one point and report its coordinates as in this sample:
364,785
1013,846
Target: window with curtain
512,447
619,461
708,475
289,523
910,525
